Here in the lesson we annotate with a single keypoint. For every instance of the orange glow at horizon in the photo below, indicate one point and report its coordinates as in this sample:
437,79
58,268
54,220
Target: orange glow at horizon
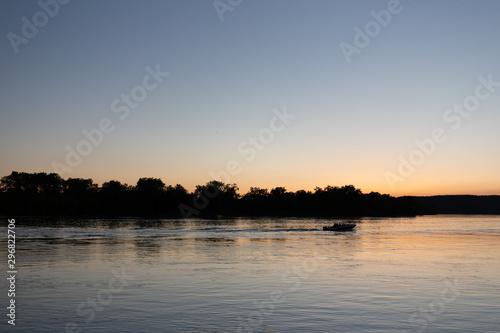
307,182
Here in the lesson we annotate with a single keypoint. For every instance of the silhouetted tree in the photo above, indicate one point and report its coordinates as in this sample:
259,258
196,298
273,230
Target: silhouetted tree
31,192
219,198
302,203
32,183
113,187
282,202
80,196
24,193
150,186
149,195
256,202
174,196
257,193
115,198
79,188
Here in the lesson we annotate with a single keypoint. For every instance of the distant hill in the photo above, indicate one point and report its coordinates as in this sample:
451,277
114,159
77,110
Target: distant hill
460,204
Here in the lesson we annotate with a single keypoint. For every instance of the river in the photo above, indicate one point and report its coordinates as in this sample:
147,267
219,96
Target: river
424,274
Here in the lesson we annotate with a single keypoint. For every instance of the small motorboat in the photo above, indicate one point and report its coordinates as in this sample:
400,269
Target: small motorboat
340,227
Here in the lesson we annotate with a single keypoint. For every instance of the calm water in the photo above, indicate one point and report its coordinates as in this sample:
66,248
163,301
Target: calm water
424,274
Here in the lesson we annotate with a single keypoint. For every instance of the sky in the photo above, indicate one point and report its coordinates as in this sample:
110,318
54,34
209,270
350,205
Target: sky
398,97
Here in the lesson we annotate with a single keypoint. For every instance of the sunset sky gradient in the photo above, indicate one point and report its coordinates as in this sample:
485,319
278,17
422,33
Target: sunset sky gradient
227,80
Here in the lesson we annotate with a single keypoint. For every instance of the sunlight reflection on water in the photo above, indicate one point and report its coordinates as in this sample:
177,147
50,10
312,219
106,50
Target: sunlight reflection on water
260,275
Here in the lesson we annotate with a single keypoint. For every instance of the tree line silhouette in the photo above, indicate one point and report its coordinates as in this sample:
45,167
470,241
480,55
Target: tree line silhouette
49,195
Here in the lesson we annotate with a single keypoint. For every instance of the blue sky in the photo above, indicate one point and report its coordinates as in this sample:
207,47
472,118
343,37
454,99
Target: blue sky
353,120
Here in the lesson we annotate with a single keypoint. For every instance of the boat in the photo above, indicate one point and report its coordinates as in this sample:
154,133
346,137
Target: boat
340,227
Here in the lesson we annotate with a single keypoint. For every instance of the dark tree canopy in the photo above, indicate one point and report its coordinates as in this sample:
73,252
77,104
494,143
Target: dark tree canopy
48,194
150,186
